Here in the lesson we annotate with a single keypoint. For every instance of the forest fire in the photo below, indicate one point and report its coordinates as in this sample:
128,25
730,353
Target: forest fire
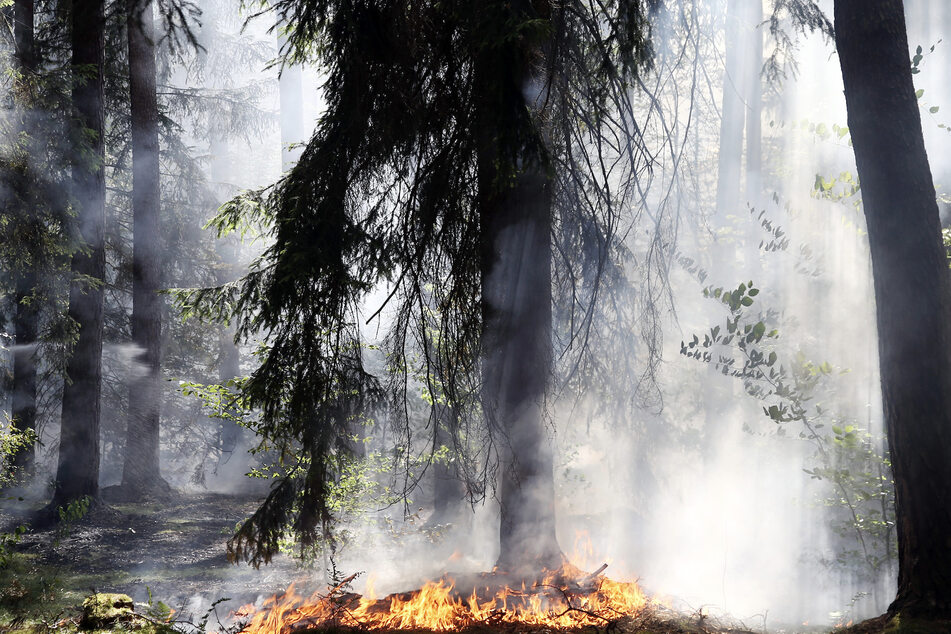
564,598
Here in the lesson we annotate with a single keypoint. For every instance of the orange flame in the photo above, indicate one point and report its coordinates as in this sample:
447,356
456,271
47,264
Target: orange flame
563,598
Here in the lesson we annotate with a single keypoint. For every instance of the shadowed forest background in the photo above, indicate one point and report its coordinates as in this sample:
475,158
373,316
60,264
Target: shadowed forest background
365,295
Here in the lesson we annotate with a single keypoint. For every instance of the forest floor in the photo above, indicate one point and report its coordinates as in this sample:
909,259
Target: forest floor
174,553
170,552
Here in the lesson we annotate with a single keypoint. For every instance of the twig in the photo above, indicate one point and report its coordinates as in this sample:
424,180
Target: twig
593,574
342,584
572,608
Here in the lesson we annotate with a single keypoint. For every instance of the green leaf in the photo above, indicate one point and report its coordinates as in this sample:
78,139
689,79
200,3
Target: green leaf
933,109
919,93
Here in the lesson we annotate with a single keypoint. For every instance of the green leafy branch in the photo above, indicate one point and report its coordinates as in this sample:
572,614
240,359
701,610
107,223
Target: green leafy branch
746,348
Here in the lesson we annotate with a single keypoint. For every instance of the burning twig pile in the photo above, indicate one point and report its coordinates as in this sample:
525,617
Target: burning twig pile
565,598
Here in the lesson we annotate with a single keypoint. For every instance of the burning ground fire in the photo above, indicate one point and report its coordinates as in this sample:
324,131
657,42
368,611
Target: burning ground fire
565,598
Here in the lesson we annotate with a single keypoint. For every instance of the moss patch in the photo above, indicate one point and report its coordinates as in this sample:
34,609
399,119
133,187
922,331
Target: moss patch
106,610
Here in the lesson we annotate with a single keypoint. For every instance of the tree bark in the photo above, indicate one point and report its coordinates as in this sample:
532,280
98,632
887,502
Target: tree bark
77,473
911,291
26,315
141,471
515,261
516,292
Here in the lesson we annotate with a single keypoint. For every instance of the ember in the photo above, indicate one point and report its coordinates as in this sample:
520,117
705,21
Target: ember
566,597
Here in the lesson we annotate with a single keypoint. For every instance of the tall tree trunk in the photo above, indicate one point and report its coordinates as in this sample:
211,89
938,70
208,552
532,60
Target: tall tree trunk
732,113
740,111
516,292
291,86
754,106
141,472
911,291
23,18
753,16
77,474
227,249
741,107
516,223
229,356
25,318
24,373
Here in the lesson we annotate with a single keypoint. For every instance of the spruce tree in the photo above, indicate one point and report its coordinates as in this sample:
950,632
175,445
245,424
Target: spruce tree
455,151
912,293
77,474
141,473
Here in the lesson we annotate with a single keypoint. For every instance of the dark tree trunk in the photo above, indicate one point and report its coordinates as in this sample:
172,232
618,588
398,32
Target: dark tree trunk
24,373
77,474
515,261
23,18
25,318
911,291
141,472
516,295
449,491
